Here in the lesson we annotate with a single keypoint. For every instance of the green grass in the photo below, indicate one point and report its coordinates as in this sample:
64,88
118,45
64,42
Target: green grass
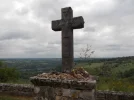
123,67
81,64
90,68
113,82
120,68
93,65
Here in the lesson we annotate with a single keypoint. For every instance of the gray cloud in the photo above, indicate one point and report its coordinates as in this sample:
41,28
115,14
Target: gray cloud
15,35
25,27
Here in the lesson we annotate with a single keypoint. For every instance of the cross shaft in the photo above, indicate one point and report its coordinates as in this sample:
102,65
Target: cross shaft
66,25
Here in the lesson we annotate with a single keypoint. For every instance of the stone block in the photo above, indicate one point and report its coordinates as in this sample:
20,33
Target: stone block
66,92
87,95
59,91
36,89
74,93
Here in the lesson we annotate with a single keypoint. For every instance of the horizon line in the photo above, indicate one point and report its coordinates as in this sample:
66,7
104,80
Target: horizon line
61,58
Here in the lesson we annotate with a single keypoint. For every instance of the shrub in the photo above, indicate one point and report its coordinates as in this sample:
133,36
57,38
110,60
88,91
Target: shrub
128,73
8,74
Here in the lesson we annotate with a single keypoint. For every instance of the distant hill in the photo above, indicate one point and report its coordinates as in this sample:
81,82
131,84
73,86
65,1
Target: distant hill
33,66
120,64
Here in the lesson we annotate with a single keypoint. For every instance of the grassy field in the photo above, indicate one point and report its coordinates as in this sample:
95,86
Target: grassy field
111,73
123,67
115,66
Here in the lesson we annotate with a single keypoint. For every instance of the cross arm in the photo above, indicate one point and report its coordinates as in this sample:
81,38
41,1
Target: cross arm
56,25
77,22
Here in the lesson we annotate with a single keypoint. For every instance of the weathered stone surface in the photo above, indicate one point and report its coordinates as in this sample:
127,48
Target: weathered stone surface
36,89
87,95
67,84
64,89
77,74
113,95
58,97
49,93
59,91
78,79
17,89
66,25
66,92
100,95
75,93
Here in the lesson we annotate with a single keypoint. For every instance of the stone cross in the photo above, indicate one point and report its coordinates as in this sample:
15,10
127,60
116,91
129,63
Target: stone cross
66,25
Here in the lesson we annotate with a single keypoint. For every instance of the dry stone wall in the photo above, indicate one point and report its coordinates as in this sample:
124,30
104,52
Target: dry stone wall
112,95
17,89
28,90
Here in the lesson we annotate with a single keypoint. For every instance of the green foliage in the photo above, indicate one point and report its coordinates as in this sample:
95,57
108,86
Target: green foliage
129,73
122,67
104,70
114,84
120,85
8,74
1,63
115,74
32,66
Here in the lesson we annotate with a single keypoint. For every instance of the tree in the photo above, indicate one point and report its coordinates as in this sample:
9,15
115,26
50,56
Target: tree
86,53
129,73
1,63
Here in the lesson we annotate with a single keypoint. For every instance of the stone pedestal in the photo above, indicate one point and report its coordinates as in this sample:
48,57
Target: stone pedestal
57,89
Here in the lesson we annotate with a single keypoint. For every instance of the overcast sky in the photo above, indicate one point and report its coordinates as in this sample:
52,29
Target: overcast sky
25,27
